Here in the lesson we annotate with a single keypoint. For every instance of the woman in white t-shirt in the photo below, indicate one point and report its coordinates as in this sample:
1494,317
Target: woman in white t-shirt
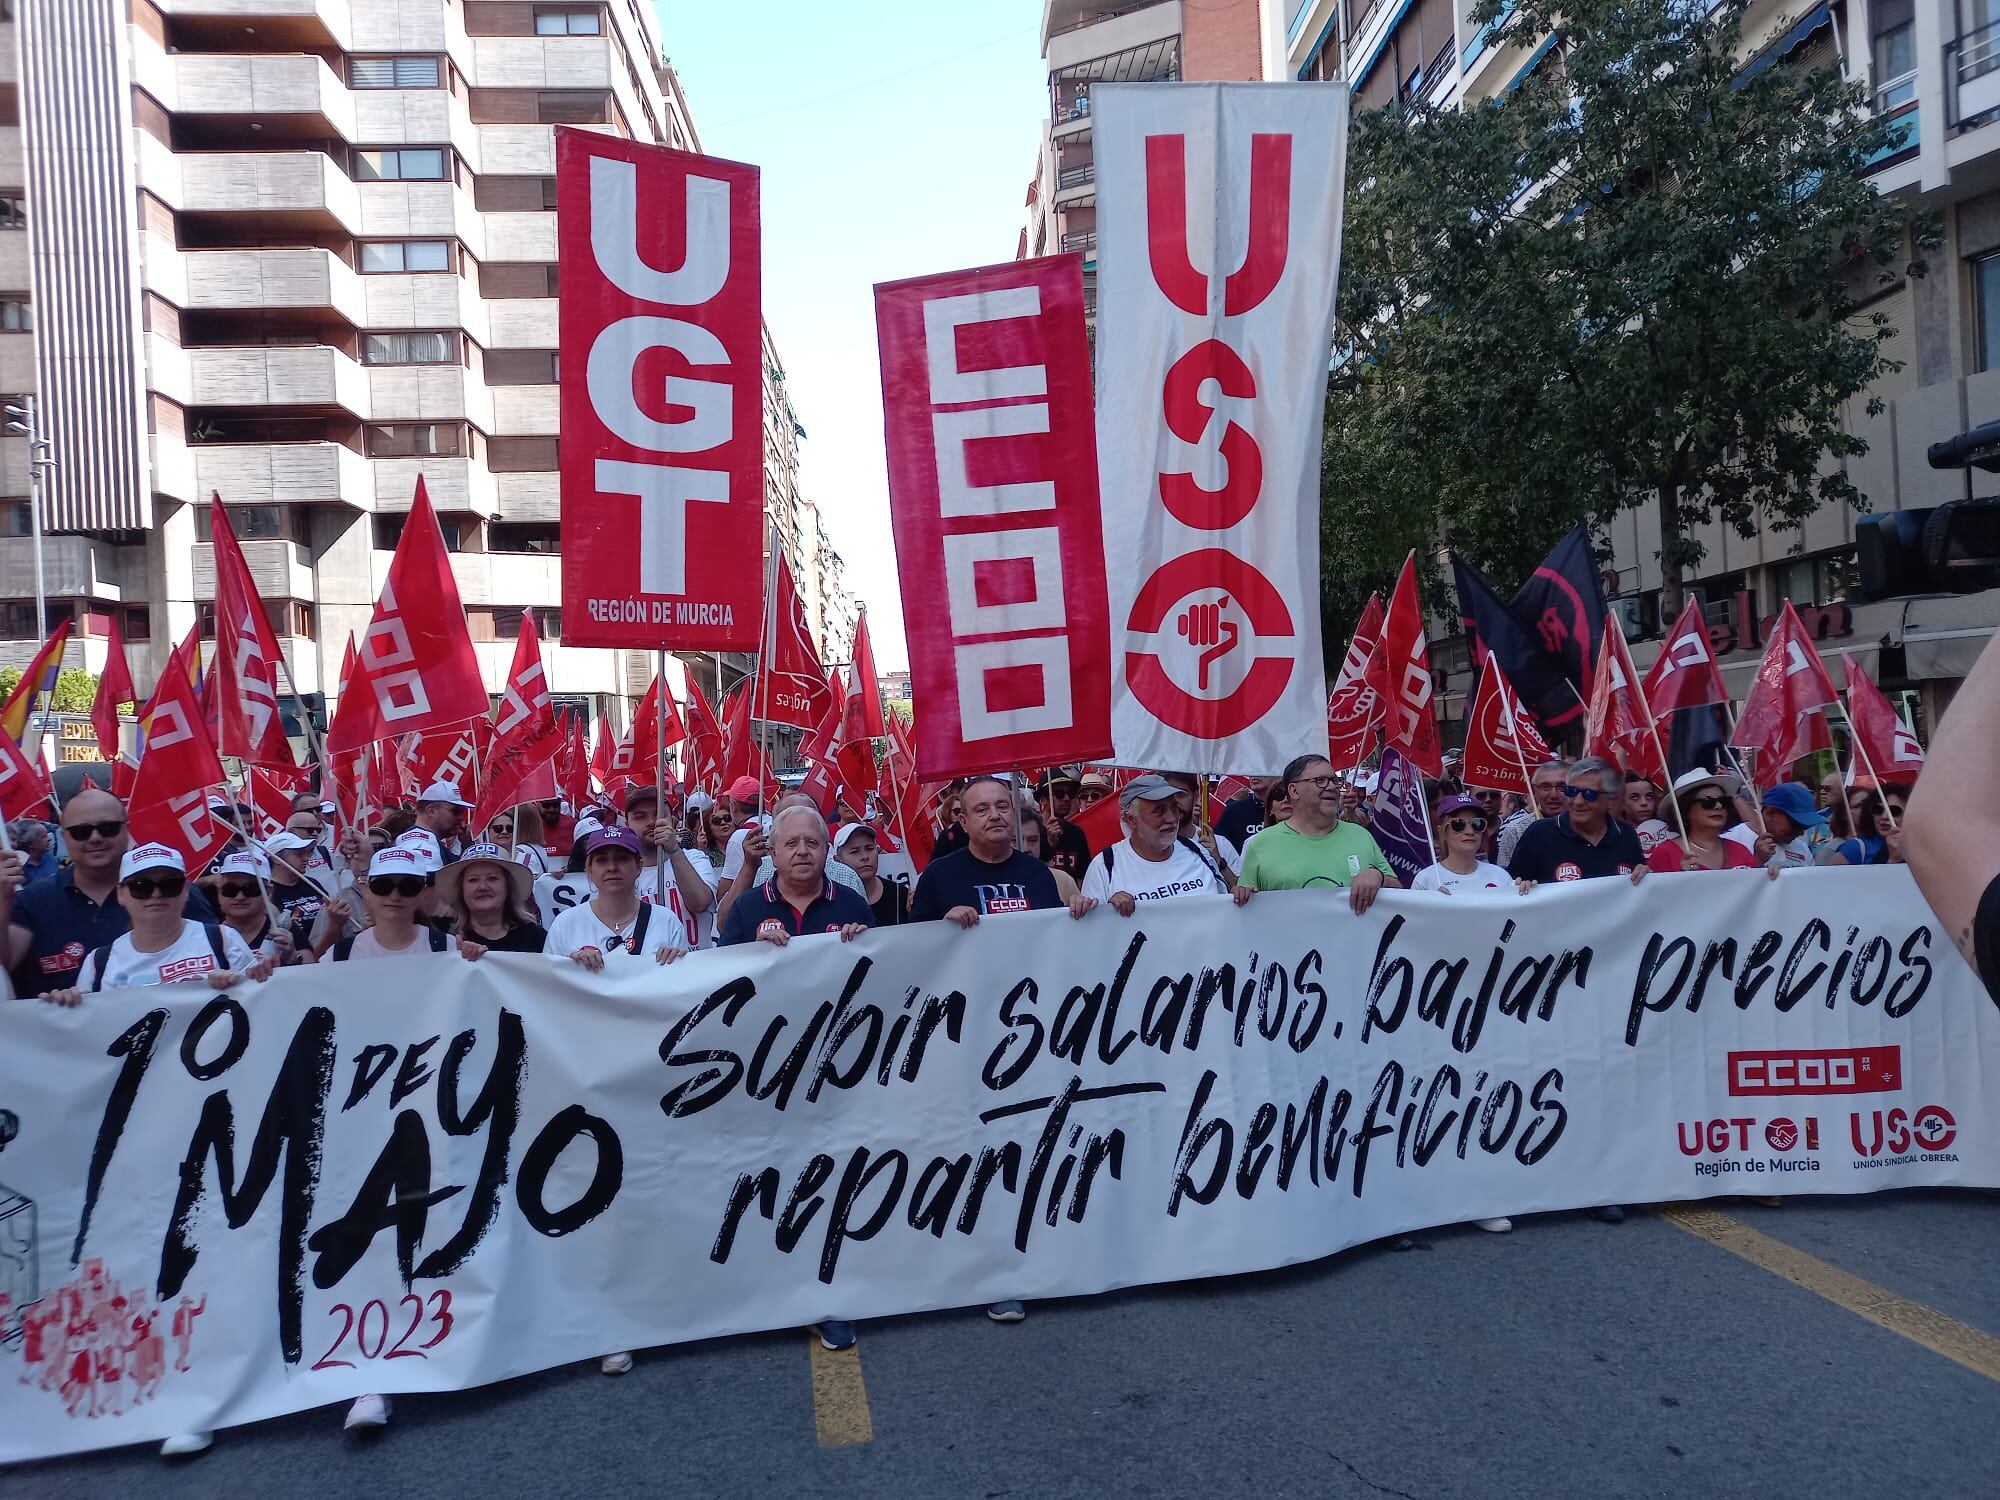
162,946
1460,822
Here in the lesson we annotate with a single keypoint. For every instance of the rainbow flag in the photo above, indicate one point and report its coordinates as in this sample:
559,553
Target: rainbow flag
40,678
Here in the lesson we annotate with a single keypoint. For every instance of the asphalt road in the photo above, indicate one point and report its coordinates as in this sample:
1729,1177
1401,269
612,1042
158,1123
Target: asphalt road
1664,1356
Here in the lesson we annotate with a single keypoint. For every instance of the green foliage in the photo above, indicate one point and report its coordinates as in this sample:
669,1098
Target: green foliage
1628,280
75,690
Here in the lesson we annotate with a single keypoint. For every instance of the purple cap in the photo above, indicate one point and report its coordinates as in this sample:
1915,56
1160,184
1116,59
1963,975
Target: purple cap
1457,802
620,837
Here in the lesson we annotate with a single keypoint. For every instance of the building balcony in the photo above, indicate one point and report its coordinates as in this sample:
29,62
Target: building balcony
1077,184
517,150
520,236
525,410
508,578
72,567
275,375
523,323
425,299
429,393
544,62
529,495
454,484
1972,77
423,210
279,568
269,280
293,25
1095,31
1084,242
283,474
291,189
287,96
17,362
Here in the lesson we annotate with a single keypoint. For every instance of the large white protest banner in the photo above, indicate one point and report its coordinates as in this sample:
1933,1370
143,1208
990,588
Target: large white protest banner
1218,231
417,1175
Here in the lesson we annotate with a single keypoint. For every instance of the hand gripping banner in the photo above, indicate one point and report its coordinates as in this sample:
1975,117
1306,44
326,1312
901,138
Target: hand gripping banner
423,1174
1218,213
663,407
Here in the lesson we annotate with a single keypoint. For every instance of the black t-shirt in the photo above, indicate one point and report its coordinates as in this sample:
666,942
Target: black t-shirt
1550,850
1020,882
1070,852
299,904
522,937
1986,939
1241,817
894,908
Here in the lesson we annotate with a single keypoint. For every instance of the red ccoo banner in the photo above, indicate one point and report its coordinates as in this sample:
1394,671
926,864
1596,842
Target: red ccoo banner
993,495
662,410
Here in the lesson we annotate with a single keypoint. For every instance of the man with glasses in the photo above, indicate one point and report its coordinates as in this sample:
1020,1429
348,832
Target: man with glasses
1547,784
1584,841
1313,847
1154,860
52,924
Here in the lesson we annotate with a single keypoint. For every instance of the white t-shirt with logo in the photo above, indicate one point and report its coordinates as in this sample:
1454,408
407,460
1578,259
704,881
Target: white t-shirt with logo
188,957
1182,873
1484,877
581,927
558,896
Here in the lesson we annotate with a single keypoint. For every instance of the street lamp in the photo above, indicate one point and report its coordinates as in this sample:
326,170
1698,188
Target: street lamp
20,418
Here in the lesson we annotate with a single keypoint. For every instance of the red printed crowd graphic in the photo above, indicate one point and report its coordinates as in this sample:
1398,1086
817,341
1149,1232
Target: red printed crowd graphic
102,1348
993,495
1218,218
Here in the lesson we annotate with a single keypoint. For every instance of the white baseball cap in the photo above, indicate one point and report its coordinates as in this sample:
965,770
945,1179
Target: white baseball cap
398,859
285,842
149,857
245,862
443,791
423,844
585,827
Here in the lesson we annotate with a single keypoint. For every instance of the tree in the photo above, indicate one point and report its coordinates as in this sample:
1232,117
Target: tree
1633,279
75,690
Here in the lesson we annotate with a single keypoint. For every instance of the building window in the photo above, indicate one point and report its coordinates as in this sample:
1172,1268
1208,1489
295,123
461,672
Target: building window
1824,579
20,620
16,519
138,623
438,348
566,23
407,164
289,617
521,367
414,440
16,315
1986,298
378,256
388,532
251,523
503,536
572,107
394,72
13,209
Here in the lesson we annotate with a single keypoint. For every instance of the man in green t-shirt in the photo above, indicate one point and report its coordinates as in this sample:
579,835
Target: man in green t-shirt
1313,847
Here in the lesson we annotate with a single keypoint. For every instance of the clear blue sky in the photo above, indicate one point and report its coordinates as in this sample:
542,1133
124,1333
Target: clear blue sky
896,139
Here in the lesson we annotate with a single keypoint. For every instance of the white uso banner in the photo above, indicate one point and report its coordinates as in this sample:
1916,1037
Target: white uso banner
416,1175
1218,226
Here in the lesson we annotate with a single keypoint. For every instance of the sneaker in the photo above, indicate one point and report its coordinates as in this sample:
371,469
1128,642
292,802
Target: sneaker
182,1444
367,1411
616,1364
1006,1312
1610,1213
835,1335
1495,1226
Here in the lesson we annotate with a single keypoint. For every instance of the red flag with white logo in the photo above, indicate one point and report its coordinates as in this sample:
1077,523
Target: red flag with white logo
795,687
603,754
524,736
861,716
702,765
638,757
24,790
1399,672
1354,709
1502,743
663,416
178,768
114,687
416,669
1888,750
269,790
1685,674
244,673
909,812
993,495
1784,717
1620,725
573,765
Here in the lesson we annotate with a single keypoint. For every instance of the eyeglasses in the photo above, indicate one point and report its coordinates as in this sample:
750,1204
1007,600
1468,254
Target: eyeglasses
1583,793
78,832
1710,801
398,885
228,888
144,887
1322,782
1459,825
500,828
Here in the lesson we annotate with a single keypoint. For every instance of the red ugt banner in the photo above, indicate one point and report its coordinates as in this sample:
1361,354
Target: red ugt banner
663,411
993,495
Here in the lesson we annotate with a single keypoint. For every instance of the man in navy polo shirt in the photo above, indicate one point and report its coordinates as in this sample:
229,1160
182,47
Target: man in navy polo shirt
1584,841
797,901
52,924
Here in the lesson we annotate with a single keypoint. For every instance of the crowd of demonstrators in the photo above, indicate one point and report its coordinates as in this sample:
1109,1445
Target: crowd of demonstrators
1876,815
1033,843
37,848
241,890
1642,807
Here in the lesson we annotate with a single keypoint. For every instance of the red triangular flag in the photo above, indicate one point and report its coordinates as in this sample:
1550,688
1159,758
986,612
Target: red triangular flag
1685,674
23,787
1888,751
1354,709
178,768
1399,671
525,735
794,685
1502,744
1783,718
244,674
114,687
861,716
1619,725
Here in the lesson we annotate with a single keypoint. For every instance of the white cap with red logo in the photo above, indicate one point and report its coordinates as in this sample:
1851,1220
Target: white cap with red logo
150,857
397,860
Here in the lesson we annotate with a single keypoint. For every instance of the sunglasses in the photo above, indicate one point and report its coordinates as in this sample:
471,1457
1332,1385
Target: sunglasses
397,885
78,832
237,888
144,887
1459,825
1583,793
617,942
1710,801
502,828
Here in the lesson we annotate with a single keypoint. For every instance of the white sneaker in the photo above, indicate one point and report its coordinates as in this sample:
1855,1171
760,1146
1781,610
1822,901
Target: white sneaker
184,1443
1495,1226
615,1364
368,1411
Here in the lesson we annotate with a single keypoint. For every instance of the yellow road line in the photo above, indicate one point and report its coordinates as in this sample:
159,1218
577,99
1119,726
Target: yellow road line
1958,1342
840,1396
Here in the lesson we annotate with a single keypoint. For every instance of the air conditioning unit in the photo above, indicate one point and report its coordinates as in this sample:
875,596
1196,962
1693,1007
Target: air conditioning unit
1635,616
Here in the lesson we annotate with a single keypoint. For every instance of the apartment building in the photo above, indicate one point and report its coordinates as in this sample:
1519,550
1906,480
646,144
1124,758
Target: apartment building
1934,66
300,253
1085,43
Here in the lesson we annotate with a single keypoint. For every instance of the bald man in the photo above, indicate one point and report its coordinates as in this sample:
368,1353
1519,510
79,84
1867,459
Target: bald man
53,924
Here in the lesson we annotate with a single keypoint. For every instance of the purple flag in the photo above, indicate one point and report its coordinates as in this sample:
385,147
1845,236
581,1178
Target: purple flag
1400,816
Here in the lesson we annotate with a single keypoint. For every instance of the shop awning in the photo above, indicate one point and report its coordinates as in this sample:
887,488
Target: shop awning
1943,634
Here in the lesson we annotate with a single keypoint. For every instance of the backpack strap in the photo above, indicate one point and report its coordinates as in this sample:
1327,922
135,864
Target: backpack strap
97,962
214,932
343,950
1201,854
1109,850
639,928
437,939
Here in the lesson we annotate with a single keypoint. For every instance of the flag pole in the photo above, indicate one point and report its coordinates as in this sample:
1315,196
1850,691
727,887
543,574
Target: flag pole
767,642
660,768
1868,765
1729,749
1667,774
